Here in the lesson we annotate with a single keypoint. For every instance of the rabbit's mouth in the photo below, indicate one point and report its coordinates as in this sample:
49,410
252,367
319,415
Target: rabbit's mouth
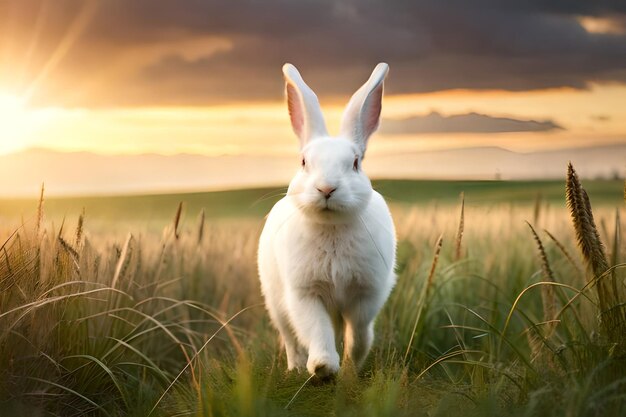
333,207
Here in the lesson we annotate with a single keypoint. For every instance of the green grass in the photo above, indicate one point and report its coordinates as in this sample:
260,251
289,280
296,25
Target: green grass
157,210
98,323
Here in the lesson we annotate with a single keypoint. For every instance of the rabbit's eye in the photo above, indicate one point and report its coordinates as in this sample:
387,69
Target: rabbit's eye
303,162
355,165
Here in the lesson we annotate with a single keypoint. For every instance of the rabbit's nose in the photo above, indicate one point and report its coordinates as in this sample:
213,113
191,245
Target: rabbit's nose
326,191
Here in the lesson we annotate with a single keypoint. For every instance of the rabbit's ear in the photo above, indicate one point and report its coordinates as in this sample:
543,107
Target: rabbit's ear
304,108
362,115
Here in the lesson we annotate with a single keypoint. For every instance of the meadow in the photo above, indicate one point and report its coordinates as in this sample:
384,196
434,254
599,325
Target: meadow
508,302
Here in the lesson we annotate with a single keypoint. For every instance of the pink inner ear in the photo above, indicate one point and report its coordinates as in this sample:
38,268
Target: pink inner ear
371,111
295,110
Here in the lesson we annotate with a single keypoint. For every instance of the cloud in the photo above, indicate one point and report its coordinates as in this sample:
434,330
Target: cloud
600,117
464,123
207,52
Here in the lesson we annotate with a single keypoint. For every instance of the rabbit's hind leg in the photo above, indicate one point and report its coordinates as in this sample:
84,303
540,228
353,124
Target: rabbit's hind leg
296,353
358,340
359,328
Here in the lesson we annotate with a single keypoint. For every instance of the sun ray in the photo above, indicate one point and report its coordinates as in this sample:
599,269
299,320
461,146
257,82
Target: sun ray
73,33
34,41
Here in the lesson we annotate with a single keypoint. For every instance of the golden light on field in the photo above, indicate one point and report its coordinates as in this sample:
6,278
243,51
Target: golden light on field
13,123
20,126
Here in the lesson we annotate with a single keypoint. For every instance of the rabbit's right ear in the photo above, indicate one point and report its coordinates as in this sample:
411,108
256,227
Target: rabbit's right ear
362,115
304,108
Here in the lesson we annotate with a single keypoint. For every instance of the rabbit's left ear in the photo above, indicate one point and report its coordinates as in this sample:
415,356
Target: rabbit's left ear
362,115
304,108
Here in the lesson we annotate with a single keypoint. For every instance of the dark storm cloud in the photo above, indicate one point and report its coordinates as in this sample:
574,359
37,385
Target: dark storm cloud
430,45
464,123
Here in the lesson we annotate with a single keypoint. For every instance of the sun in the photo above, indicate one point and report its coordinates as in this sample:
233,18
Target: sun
13,117
17,123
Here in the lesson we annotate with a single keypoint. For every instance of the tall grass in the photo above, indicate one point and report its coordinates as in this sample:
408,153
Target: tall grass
103,330
611,308
140,323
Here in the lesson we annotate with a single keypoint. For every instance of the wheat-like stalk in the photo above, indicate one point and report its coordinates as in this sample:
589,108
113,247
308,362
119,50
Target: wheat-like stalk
177,220
74,255
564,251
459,232
540,353
121,261
79,228
597,255
62,227
40,210
537,209
617,239
8,263
548,297
433,266
201,227
611,315
584,225
424,296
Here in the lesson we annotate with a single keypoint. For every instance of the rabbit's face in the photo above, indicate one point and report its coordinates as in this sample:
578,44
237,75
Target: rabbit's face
330,182
331,185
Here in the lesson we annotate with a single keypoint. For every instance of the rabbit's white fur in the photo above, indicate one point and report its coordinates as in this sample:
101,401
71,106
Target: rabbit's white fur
327,251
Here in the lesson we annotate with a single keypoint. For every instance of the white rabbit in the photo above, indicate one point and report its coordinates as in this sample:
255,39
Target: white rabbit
327,251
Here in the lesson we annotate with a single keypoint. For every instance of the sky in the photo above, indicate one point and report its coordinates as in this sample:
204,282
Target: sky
119,77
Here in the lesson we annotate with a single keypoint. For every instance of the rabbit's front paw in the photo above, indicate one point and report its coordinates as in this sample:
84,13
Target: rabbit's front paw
324,366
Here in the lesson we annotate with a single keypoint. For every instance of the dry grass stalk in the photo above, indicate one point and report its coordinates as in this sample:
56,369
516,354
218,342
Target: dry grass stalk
535,344
459,232
121,260
540,353
617,241
563,250
40,210
424,296
201,227
611,315
548,297
177,219
74,255
62,227
79,229
537,209
433,266
597,254
8,263
68,248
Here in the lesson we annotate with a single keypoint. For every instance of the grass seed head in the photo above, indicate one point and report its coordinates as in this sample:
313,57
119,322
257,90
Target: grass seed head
79,228
201,227
460,230
612,317
40,209
177,220
548,297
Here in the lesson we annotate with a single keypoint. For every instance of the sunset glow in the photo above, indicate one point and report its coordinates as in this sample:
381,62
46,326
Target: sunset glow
588,117
110,79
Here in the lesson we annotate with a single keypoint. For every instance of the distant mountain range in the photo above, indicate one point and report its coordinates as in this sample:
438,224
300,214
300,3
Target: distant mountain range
71,173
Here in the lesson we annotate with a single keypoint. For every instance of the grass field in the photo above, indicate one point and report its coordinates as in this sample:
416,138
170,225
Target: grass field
128,312
155,211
